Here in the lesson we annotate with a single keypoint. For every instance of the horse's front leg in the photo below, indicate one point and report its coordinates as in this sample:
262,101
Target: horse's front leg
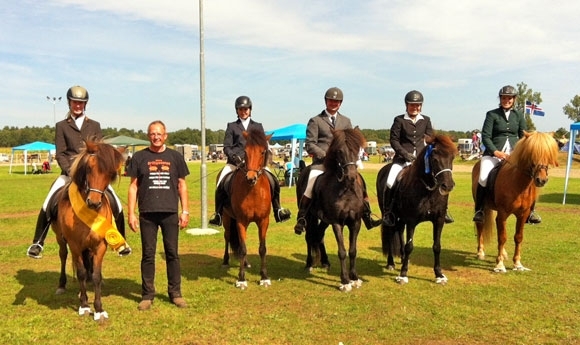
500,223
440,278
408,249
100,314
242,254
353,230
518,239
63,254
339,235
84,308
262,231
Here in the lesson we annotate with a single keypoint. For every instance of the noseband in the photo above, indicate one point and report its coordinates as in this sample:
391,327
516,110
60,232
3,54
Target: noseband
429,171
535,169
340,172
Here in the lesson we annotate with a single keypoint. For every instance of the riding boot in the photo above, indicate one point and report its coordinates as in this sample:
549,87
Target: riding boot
120,223
280,214
389,218
220,199
40,233
300,226
448,218
534,218
367,216
479,201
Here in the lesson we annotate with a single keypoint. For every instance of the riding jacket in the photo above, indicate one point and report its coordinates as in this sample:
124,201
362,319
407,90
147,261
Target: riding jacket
234,141
70,140
319,134
497,129
408,138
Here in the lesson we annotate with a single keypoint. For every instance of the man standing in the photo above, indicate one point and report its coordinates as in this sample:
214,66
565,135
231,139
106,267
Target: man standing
158,186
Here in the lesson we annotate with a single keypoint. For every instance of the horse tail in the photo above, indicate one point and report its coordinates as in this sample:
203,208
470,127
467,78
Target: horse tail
391,241
488,225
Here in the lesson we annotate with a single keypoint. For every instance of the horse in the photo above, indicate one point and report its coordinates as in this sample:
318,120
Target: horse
515,190
337,200
85,221
250,201
421,194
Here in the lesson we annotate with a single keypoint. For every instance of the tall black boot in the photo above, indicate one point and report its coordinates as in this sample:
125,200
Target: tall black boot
280,214
367,216
220,199
300,226
40,233
479,201
534,218
389,201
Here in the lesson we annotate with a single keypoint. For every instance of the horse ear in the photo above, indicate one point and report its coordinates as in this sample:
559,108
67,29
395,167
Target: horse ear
527,134
268,137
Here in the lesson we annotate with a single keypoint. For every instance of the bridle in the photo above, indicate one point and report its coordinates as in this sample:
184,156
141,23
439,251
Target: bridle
428,156
341,170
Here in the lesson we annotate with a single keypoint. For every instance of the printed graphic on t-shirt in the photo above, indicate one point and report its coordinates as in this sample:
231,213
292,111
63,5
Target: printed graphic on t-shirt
159,174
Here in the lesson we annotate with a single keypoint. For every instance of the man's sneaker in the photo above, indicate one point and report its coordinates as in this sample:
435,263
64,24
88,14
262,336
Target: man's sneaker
534,218
179,302
282,215
145,304
34,251
216,219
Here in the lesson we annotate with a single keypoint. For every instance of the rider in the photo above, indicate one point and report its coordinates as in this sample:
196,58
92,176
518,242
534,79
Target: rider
318,138
234,145
502,129
69,137
407,139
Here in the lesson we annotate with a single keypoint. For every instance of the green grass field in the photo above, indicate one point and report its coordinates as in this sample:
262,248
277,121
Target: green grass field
477,306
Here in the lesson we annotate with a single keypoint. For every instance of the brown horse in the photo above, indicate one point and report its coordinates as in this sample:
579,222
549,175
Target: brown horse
83,210
514,192
250,201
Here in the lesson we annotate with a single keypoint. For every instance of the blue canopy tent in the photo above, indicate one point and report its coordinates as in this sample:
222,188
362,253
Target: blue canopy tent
34,147
296,134
574,128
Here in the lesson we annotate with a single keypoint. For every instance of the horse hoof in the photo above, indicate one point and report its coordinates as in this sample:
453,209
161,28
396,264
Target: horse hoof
441,280
402,280
102,316
500,269
356,283
521,268
84,311
481,256
345,287
390,267
265,282
60,291
242,285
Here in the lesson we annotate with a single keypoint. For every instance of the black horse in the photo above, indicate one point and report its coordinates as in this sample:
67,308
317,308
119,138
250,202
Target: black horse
337,200
421,194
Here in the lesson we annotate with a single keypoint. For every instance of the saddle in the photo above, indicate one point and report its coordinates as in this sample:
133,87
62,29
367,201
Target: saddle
491,180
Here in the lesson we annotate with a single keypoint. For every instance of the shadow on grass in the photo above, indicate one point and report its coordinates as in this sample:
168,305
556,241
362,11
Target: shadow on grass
34,287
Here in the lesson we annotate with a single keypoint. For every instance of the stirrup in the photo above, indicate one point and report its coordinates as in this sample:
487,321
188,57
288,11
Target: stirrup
478,216
124,250
216,219
300,226
534,218
282,215
448,219
389,218
32,253
370,222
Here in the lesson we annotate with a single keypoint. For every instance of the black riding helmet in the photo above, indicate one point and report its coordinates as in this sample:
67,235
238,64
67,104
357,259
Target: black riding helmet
243,102
414,97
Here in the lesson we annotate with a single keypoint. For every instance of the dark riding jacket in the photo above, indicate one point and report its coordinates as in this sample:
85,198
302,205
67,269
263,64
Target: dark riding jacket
234,141
408,138
497,129
69,139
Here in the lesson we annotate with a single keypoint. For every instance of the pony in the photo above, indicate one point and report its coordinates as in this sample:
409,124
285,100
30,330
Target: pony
250,201
337,200
421,194
515,190
94,168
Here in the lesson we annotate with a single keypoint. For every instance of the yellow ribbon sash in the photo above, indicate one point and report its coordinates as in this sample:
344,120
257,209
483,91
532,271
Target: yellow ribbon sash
93,220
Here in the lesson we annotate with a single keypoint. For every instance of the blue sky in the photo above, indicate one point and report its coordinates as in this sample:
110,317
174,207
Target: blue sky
139,59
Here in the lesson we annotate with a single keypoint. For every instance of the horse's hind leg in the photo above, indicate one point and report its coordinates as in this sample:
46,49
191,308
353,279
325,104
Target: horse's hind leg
480,242
63,253
263,229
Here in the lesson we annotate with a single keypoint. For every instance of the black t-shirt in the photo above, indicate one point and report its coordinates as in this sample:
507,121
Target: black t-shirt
158,177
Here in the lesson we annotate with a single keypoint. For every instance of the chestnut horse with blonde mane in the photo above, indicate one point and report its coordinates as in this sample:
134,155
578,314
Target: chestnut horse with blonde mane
515,190
93,170
250,201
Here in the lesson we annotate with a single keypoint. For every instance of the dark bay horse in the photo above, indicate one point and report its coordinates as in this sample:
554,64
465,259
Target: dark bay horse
250,201
423,193
337,200
515,190
85,220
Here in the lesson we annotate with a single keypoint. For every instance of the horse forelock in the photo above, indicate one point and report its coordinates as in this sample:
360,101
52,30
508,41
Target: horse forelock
108,158
257,140
349,141
535,149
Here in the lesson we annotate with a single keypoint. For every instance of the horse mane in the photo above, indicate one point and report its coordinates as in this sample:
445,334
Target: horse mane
109,161
351,139
535,148
257,137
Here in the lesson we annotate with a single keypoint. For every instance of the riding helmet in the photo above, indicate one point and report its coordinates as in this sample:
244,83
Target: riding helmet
77,93
414,97
333,93
243,102
508,90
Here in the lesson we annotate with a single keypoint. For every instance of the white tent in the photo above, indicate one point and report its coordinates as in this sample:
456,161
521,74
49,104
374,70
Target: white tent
35,146
574,128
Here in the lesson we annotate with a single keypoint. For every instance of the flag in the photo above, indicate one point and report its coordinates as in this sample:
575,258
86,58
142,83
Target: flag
532,108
